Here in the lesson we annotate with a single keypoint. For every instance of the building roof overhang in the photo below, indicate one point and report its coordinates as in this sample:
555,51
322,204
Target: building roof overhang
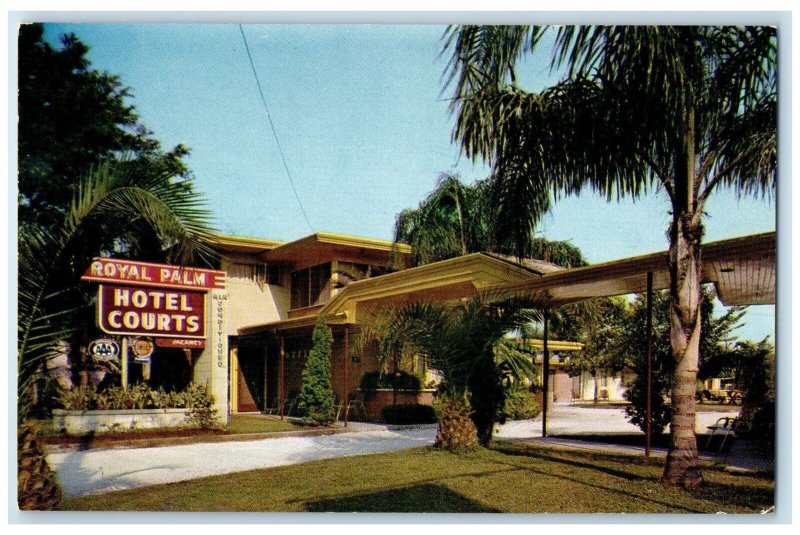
742,269
309,250
325,246
241,244
451,279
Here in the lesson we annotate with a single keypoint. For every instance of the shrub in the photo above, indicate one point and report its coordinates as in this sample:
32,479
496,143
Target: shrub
201,407
81,398
521,404
371,381
408,413
316,395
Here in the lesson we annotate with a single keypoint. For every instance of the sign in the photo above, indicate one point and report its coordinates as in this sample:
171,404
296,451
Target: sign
184,343
142,349
130,310
104,349
116,271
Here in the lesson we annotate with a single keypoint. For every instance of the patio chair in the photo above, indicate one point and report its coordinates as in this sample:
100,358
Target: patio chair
356,407
291,402
724,427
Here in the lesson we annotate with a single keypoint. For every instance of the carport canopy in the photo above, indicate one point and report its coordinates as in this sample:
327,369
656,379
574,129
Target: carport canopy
741,269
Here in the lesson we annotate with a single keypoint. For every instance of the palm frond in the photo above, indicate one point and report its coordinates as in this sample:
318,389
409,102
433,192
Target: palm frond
171,208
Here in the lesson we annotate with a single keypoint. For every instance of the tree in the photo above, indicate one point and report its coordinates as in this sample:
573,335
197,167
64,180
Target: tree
682,110
456,219
453,220
461,342
752,365
628,348
755,375
72,117
44,319
316,394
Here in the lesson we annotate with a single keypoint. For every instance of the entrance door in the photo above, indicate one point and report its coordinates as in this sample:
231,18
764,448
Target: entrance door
250,379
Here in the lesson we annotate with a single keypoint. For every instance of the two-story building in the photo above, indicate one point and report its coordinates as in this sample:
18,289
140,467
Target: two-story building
276,292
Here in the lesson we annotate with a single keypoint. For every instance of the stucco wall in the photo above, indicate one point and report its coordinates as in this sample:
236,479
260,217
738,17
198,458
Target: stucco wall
613,388
211,367
252,302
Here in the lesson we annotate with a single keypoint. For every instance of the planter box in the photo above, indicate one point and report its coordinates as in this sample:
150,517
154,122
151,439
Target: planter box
118,421
384,396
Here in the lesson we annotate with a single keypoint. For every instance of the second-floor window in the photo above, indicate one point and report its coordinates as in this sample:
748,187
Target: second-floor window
311,286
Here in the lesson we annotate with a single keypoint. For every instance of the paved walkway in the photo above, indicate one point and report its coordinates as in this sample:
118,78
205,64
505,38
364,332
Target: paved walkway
97,471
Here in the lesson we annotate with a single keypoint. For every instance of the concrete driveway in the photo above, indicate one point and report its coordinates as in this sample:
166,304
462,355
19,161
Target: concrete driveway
98,471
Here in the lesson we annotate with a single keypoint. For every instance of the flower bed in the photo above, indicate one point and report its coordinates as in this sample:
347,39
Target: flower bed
137,407
75,422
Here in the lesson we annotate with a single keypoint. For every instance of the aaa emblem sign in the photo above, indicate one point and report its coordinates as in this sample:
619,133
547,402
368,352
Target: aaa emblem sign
132,310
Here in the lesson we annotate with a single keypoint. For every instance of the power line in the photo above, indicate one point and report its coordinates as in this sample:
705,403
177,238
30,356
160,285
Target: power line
272,127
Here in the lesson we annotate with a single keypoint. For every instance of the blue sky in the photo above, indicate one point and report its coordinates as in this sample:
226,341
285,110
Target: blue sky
364,127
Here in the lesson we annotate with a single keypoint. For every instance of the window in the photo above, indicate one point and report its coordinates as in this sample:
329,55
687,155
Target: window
242,271
311,286
275,275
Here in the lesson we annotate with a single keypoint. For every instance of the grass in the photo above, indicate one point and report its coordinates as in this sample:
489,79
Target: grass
512,478
252,423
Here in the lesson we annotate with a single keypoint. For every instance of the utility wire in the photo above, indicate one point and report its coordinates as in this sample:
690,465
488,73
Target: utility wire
272,127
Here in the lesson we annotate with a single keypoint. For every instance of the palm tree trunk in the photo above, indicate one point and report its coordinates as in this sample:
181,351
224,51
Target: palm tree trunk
682,467
37,484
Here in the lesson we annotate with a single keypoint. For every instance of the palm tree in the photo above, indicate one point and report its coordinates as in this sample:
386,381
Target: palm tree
173,210
456,219
680,110
453,220
462,342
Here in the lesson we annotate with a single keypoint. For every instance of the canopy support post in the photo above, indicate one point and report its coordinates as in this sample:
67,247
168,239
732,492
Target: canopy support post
545,375
281,379
649,367
346,401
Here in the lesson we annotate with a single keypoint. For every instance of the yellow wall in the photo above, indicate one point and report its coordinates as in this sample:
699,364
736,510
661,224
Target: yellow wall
253,302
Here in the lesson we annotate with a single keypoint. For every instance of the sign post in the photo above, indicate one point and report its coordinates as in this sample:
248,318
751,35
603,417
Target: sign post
124,362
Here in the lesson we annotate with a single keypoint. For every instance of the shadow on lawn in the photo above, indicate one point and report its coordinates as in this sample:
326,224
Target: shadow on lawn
538,454
423,498
751,496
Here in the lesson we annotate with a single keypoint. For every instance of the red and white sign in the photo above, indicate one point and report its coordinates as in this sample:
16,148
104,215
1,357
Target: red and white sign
131,310
183,343
116,271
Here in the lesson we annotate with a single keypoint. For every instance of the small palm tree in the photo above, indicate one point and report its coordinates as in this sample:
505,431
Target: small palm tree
460,342
175,213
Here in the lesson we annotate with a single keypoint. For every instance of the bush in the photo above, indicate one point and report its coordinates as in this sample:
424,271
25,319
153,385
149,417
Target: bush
521,404
372,381
201,407
316,394
408,413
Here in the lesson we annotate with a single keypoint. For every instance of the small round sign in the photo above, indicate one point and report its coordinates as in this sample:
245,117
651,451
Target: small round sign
104,349
143,347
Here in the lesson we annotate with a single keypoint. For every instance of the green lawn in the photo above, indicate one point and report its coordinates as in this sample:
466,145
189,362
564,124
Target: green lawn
507,478
253,423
